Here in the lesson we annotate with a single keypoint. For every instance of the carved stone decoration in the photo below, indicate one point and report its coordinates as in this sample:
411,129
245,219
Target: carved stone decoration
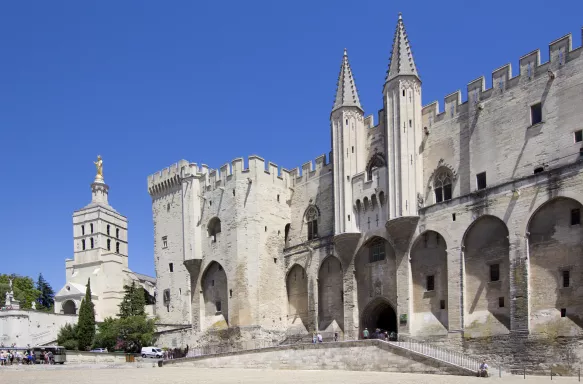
378,288
419,200
442,164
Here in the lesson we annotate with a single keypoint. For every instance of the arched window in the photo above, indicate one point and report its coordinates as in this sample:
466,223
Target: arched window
108,229
117,247
382,198
91,227
92,243
358,205
117,233
377,251
311,217
365,203
442,185
287,227
109,244
214,228
373,202
377,161
82,229
83,244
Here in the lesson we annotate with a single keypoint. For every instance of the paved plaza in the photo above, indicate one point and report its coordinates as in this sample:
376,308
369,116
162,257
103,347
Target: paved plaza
147,374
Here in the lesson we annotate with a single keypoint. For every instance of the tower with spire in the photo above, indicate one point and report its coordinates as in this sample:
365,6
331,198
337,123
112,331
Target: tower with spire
100,253
348,146
403,127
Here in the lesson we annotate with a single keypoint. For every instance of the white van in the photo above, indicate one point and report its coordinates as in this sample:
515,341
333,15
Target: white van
153,352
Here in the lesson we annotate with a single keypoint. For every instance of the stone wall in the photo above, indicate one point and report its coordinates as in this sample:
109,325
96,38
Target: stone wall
29,327
518,352
355,356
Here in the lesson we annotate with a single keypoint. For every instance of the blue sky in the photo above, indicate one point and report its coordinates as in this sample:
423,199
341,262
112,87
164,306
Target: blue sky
147,83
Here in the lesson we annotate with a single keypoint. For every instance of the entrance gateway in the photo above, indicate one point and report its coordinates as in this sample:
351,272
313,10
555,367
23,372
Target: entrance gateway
379,313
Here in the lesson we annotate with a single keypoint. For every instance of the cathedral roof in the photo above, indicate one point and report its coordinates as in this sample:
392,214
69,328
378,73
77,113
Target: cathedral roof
346,93
402,63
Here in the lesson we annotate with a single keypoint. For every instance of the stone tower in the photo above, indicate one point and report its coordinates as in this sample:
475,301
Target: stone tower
100,254
348,147
402,103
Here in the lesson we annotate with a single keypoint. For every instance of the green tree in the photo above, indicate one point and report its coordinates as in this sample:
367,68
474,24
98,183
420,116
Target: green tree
136,332
67,337
86,323
23,288
133,303
107,334
46,300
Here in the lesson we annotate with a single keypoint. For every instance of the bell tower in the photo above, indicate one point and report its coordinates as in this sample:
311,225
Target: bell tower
402,103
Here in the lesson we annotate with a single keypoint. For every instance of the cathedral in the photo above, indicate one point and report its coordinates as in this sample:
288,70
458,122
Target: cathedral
100,243
456,222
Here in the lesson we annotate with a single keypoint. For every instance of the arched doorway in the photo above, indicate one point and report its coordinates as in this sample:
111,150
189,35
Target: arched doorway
379,314
69,308
297,296
215,295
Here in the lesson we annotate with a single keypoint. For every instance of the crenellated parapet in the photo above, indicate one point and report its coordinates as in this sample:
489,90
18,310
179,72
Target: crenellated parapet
561,53
308,171
166,179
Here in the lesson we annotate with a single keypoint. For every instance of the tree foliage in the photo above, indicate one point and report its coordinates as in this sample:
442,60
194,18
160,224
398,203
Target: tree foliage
129,334
67,337
133,303
23,288
46,300
86,323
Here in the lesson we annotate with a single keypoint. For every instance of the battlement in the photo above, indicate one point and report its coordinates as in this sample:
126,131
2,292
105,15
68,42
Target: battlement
561,53
308,171
257,170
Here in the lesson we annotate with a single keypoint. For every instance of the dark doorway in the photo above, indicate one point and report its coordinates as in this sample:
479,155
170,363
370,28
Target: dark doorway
380,315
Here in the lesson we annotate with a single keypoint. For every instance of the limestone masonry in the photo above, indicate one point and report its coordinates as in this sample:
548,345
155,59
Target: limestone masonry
461,224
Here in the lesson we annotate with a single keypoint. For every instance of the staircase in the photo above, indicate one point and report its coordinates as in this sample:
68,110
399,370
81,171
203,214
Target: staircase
445,355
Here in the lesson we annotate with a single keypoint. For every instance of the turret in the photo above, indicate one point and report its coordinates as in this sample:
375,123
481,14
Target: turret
348,147
402,103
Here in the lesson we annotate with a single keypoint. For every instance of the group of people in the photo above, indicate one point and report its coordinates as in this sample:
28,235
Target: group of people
11,357
317,337
379,334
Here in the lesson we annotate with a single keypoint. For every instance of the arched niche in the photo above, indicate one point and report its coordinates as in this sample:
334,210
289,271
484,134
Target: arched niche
330,295
430,282
215,295
69,307
375,271
487,277
297,297
555,241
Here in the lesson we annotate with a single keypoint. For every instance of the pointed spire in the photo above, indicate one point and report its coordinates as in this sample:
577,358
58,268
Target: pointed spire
346,93
402,62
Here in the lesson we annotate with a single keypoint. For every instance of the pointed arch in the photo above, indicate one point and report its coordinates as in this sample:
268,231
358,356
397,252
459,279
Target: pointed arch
555,246
486,250
311,217
297,296
377,160
430,282
330,294
215,295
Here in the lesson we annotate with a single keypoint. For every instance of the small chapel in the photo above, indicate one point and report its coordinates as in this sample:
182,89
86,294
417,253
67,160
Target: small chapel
100,255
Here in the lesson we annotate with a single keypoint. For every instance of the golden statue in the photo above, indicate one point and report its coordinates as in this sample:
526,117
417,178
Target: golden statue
99,166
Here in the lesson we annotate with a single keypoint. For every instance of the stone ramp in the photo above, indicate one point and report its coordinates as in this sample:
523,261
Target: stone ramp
361,355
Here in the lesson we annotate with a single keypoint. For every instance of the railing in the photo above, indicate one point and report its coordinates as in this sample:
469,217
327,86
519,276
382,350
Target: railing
447,355
422,347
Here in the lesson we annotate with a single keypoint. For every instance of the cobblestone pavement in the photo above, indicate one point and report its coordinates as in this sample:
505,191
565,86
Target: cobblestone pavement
146,374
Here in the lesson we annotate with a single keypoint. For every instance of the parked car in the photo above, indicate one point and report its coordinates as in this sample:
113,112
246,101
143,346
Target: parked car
153,352
99,350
